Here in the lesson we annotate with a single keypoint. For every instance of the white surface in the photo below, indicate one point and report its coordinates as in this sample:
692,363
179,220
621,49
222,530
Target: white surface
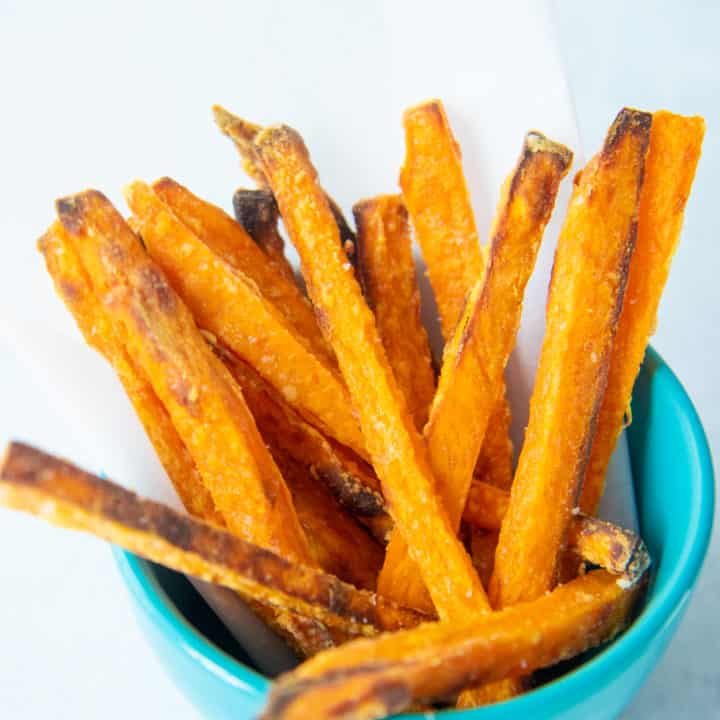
107,96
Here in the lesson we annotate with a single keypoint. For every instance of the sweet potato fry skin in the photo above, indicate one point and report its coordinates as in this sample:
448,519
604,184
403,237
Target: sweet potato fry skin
229,241
205,405
224,302
372,678
387,267
672,158
590,271
256,211
60,493
474,360
339,545
396,448
74,287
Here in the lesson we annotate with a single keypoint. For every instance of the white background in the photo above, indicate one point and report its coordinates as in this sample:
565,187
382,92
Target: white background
70,647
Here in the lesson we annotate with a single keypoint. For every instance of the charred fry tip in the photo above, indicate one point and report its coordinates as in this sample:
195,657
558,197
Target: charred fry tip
537,142
71,209
628,121
254,208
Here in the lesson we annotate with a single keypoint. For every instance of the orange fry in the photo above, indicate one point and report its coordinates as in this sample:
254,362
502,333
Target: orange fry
438,201
396,448
674,151
388,270
202,400
75,289
585,298
372,678
229,241
31,481
475,358
230,306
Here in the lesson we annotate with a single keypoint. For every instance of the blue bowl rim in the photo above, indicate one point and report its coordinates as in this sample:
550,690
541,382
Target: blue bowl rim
659,612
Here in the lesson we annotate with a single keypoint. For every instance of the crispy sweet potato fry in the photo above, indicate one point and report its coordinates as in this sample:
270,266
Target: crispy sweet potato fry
495,462
62,494
438,202
256,211
305,635
475,358
585,298
396,448
229,241
387,267
198,393
350,480
74,287
672,157
372,678
340,546
483,544
224,302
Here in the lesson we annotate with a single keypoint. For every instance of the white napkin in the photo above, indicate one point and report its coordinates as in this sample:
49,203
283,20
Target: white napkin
343,78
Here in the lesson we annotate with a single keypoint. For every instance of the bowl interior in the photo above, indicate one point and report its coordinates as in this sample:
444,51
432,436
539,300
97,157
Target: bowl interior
673,478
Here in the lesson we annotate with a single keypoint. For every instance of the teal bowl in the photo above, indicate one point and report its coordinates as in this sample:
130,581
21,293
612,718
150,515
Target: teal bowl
674,485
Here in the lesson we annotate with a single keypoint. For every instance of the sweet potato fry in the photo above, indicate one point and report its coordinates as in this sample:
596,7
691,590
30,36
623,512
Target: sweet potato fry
495,462
474,360
438,202
350,480
339,545
202,400
584,302
227,239
305,635
241,132
672,157
62,494
224,302
483,544
257,212
396,448
74,287
387,267
372,678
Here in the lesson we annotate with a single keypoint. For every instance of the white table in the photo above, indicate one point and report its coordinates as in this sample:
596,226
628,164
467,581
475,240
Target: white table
70,647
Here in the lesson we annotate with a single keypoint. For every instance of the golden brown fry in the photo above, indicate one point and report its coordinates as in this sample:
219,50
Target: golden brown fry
62,494
224,302
387,267
201,398
339,545
74,287
474,360
438,202
350,480
396,448
257,212
372,678
585,298
673,154
229,241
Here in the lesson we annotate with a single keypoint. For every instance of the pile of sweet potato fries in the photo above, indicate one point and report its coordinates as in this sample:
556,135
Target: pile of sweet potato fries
366,508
